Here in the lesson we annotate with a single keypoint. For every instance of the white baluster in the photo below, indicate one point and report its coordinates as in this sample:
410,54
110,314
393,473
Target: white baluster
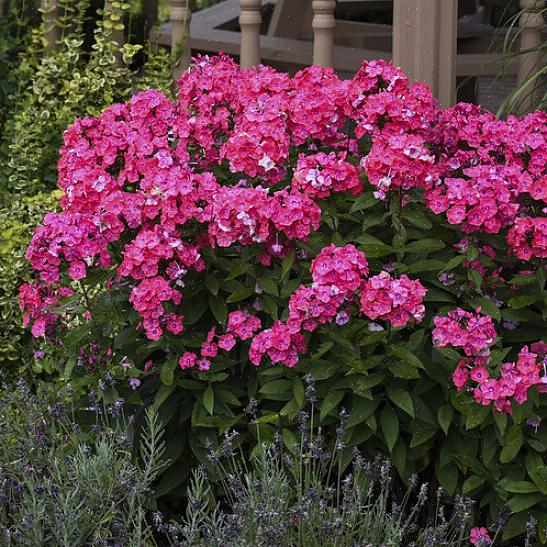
323,25
249,22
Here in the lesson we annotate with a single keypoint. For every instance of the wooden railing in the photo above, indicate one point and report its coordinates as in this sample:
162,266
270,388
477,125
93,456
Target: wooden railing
424,37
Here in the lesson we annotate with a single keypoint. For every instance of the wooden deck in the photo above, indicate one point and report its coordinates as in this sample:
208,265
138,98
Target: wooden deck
215,29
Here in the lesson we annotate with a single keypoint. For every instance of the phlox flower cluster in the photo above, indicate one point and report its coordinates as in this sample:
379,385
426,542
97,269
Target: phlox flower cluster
479,537
336,273
343,267
339,276
319,175
485,199
250,215
472,332
513,381
241,325
475,334
279,344
398,301
399,160
528,237
489,170
381,97
147,298
37,301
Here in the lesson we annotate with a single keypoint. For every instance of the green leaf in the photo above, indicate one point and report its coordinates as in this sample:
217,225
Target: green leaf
517,487
209,399
476,416
218,308
511,444
402,370
364,383
290,440
276,386
523,502
472,483
361,409
402,399
163,393
390,426
407,356
521,301
291,408
298,391
416,217
421,433
167,371
287,264
374,250
475,277
364,201
330,402
429,265
241,294
212,284
399,456
268,285
515,526
238,270
487,307
454,263
322,350
447,476
537,470
424,246
444,417
321,370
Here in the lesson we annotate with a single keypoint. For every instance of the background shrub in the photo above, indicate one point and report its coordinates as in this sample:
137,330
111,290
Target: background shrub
17,222
55,88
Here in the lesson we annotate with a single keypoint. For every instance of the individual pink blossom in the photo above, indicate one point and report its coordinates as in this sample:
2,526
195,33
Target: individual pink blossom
188,360
479,537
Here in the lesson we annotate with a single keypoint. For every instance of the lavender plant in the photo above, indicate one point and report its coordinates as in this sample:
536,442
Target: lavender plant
303,491
61,486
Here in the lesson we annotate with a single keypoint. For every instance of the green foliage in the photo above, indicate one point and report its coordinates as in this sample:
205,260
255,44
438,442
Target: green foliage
17,222
62,486
15,31
57,87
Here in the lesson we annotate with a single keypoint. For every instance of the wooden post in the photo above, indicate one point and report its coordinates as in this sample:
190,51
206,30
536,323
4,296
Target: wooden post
180,15
323,25
150,14
530,23
52,31
249,22
425,44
